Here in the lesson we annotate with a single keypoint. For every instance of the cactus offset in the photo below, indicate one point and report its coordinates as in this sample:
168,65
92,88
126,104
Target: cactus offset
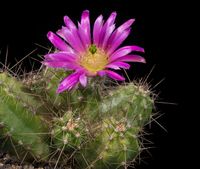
45,83
19,125
130,101
68,131
123,114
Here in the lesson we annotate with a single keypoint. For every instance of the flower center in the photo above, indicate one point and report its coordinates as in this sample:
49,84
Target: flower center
94,59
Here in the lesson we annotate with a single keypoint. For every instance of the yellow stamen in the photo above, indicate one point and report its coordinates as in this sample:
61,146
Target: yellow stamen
94,61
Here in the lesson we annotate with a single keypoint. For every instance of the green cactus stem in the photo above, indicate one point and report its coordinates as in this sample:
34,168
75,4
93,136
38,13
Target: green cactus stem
130,101
123,113
45,84
69,131
25,130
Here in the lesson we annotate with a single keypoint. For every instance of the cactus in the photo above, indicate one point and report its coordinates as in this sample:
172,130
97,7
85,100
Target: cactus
68,131
123,112
115,146
45,84
130,101
96,126
68,112
19,125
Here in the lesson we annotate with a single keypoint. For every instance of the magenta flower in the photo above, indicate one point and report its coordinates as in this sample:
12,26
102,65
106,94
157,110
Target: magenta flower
90,55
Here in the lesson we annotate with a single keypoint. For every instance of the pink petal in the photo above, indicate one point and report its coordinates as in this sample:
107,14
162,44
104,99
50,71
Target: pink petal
61,60
61,56
97,30
60,64
57,42
132,58
114,75
116,43
111,74
124,51
71,26
125,25
84,36
83,80
72,37
84,28
107,35
101,73
118,65
117,33
69,23
113,66
69,82
110,21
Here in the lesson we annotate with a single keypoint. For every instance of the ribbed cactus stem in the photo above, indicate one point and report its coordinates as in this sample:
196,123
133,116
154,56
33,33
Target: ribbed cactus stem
123,114
69,131
25,130
131,101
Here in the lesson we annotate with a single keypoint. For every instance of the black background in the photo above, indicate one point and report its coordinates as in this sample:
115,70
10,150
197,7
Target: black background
156,29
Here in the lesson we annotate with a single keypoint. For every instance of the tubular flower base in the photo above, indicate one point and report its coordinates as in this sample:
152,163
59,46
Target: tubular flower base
91,55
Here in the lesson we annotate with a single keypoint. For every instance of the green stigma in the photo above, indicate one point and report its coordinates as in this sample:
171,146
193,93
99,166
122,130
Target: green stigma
93,49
